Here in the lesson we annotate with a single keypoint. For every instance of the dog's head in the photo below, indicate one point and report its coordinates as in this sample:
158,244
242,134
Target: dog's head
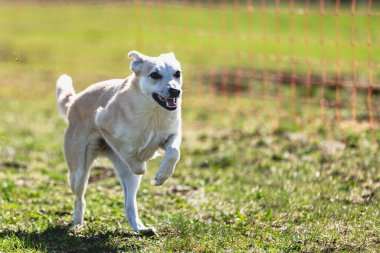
159,78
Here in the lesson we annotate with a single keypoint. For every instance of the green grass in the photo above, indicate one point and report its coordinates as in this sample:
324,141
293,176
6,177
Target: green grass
255,175
254,184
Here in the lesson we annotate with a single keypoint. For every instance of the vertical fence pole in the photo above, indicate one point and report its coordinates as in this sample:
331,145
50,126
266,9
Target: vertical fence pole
278,58
236,79
249,75
323,62
139,22
370,77
338,82
354,63
265,40
308,67
224,74
293,58
212,82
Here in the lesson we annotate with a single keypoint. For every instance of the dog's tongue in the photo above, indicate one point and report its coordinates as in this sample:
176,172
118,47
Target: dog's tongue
170,102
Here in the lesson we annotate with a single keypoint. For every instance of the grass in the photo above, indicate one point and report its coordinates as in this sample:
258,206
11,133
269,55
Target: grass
254,176
252,185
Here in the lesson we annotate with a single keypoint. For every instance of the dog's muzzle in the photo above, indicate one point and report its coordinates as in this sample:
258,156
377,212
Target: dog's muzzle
169,104
174,93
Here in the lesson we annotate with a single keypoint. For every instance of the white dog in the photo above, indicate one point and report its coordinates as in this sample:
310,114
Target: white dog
126,120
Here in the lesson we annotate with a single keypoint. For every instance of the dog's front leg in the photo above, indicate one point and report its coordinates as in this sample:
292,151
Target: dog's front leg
171,157
130,183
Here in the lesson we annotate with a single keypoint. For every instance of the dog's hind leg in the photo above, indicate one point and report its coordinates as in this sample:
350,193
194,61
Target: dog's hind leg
79,157
130,183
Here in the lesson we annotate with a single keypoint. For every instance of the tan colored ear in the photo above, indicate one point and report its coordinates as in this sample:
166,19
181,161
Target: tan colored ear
137,62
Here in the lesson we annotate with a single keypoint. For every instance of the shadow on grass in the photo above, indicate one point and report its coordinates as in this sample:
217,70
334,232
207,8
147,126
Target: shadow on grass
63,239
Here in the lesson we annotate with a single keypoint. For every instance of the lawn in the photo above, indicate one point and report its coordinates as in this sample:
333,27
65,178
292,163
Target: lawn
255,175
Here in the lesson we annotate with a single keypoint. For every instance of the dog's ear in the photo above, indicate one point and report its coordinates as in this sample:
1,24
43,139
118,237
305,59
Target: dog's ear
170,56
137,62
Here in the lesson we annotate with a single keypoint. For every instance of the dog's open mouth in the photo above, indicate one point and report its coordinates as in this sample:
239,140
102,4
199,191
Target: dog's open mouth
168,103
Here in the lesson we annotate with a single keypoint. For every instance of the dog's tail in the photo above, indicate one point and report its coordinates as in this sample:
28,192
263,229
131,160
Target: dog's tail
65,93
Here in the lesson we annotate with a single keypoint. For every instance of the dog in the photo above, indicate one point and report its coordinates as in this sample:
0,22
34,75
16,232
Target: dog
127,121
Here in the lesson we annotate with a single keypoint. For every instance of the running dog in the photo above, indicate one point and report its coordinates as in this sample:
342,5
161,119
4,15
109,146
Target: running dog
126,120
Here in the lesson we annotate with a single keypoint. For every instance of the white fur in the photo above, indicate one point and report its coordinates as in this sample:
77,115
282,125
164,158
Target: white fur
65,91
124,114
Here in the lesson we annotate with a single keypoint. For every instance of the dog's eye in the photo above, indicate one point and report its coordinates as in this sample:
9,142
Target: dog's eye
177,74
155,75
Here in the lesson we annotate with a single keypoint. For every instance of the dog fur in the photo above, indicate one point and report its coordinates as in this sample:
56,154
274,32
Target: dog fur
123,120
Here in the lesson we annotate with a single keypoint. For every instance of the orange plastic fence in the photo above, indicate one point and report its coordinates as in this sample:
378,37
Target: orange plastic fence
340,82
348,89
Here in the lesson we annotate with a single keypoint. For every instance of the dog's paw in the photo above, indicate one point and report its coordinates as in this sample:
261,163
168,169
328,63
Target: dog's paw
160,180
148,232
163,174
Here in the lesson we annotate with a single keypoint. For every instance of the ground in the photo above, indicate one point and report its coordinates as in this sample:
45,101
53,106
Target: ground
253,185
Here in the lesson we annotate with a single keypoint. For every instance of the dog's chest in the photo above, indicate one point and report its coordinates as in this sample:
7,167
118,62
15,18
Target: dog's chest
149,135
146,145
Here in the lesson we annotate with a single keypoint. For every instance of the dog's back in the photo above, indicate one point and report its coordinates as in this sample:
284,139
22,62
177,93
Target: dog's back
82,106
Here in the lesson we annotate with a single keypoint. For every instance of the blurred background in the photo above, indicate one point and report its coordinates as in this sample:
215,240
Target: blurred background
281,114
315,59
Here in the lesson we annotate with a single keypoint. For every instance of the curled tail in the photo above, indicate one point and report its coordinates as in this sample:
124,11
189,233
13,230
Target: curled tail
65,92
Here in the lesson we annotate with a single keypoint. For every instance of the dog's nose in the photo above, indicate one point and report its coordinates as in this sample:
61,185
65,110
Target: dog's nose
174,92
